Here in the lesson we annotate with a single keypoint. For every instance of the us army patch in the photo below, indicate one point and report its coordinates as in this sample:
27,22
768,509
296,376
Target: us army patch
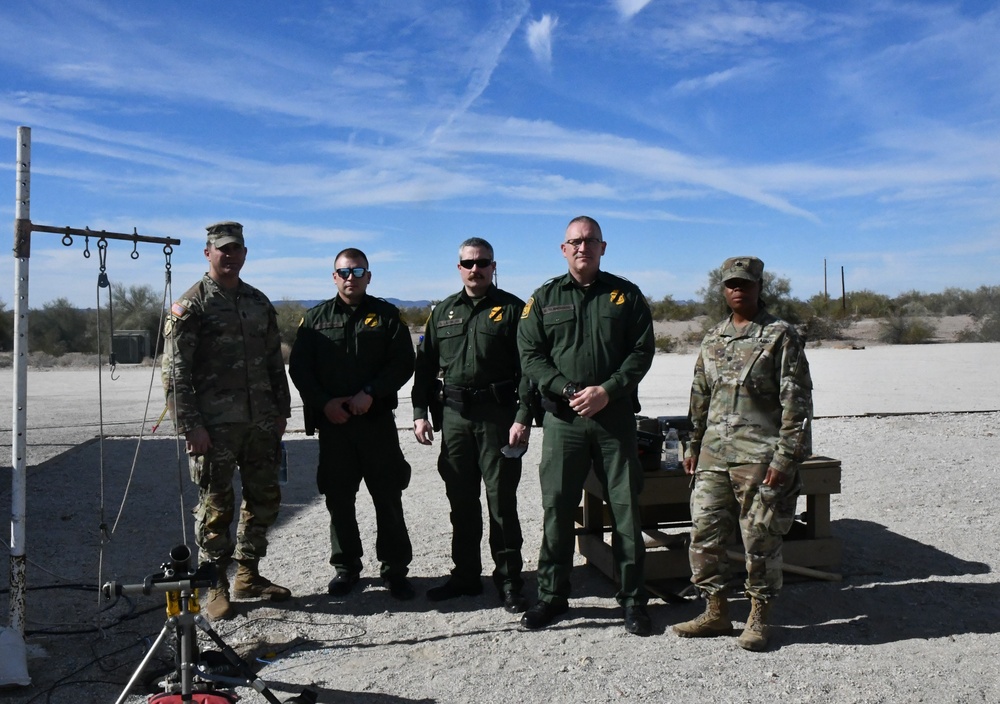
527,307
180,309
496,314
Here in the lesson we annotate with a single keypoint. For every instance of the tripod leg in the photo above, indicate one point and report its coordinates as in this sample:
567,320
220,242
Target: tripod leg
167,628
232,656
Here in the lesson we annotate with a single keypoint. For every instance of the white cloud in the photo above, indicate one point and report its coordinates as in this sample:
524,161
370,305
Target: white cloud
539,36
630,8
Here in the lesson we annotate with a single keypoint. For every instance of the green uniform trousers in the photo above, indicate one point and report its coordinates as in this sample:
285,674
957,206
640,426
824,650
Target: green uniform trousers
365,448
725,496
470,457
606,442
255,451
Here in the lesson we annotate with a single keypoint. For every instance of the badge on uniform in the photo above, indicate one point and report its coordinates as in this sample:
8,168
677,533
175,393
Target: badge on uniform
496,314
617,297
371,320
527,308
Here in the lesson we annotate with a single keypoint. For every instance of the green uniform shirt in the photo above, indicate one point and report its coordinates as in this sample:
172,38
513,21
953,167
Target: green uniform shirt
599,335
751,398
474,344
339,351
222,358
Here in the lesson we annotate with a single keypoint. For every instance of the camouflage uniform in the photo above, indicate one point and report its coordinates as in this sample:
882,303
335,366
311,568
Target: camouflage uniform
475,344
223,371
598,335
751,407
339,351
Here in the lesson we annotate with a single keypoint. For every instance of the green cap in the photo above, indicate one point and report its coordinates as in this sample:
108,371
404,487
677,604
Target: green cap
749,268
222,233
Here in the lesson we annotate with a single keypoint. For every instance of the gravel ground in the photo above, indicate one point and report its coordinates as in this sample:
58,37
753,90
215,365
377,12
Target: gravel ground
914,619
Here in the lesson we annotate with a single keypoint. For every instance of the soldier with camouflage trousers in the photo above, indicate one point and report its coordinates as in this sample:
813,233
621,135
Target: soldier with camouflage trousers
226,388
751,408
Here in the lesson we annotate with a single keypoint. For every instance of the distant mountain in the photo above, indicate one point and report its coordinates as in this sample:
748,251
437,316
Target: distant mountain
394,301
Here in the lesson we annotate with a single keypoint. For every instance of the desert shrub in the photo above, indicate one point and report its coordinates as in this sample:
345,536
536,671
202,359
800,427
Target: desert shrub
903,330
289,316
821,327
987,330
868,304
666,343
415,316
669,309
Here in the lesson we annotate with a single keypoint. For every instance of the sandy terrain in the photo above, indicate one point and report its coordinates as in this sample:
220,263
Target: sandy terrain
916,617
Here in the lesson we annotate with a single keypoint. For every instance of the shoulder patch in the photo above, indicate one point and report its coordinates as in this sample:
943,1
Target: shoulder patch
527,308
180,309
617,297
371,320
496,314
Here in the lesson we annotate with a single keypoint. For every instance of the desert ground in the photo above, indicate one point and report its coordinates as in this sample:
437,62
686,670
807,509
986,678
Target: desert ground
914,618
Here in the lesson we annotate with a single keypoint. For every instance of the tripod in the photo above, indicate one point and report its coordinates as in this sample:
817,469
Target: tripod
180,585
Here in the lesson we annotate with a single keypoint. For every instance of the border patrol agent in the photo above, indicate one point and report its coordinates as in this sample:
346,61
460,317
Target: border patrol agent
586,339
225,384
471,339
351,355
751,408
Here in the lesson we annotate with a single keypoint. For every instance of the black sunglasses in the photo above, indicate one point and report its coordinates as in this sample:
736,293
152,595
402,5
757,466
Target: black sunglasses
481,263
346,272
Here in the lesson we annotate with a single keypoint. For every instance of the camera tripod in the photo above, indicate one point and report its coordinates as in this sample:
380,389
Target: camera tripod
180,586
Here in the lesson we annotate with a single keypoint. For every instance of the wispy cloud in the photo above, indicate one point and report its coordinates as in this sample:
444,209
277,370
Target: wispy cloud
630,8
539,37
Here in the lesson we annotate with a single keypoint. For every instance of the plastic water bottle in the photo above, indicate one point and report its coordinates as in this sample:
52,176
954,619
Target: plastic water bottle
283,467
671,451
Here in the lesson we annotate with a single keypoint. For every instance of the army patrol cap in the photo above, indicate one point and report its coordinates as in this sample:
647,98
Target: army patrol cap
749,268
222,233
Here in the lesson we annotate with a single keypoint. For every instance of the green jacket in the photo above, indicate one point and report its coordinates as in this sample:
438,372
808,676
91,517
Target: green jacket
751,398
222,358
339,352
474,345
601,335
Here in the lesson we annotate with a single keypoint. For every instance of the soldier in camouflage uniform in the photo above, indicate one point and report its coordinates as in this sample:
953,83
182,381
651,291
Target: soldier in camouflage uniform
471,337
751,408
586,339
226,388
351,355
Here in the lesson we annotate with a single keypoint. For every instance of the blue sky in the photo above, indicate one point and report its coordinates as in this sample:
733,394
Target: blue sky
866,133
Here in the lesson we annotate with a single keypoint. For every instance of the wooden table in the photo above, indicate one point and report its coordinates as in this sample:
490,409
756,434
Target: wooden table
665,511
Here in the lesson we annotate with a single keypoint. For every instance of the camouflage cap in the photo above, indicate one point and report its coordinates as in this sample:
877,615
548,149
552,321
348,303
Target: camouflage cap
222,233
749,268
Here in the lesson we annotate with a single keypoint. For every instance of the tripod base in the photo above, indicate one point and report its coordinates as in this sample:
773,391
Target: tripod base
196,697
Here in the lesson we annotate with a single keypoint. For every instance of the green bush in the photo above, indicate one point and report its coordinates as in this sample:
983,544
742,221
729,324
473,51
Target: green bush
903,330
666,343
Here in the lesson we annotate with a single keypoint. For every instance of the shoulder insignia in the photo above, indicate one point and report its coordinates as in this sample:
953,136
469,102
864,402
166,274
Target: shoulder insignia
617,297
179,309
371,320
527,308
496,314
301,320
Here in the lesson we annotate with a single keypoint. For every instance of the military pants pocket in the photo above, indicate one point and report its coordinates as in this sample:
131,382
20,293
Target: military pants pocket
776,506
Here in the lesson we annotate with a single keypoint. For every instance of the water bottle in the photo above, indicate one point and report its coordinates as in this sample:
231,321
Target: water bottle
671,451
283,467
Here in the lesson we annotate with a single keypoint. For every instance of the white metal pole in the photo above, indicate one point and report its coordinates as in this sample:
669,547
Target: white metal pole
14,670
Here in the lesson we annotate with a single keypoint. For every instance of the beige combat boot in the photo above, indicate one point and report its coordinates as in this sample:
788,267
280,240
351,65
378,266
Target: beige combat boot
713,622
250,585
754,636
217,606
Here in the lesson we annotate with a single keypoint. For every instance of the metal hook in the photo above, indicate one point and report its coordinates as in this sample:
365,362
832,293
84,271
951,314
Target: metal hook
135,244
67,239
102,250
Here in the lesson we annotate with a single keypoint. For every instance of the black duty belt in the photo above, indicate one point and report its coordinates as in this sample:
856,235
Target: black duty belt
502,392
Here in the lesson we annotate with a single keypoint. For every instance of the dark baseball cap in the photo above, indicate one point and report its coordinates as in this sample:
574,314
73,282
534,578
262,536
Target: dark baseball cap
749,268
222,233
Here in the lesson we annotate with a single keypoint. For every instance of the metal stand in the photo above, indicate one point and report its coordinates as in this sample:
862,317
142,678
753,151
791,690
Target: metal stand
179,584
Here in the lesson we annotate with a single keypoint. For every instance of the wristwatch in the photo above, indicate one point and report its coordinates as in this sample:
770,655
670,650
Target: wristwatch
570,390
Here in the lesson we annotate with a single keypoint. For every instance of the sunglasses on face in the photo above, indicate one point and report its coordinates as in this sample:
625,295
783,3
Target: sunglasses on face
481,263
580,241
346,272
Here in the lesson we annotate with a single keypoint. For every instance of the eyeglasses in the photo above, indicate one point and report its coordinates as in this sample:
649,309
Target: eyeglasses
580,241
469,263
346,272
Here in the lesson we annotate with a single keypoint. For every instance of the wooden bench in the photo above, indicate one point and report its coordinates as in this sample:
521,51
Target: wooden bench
665,513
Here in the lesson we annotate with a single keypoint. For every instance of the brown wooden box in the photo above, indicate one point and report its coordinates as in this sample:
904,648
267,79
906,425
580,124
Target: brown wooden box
664,507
